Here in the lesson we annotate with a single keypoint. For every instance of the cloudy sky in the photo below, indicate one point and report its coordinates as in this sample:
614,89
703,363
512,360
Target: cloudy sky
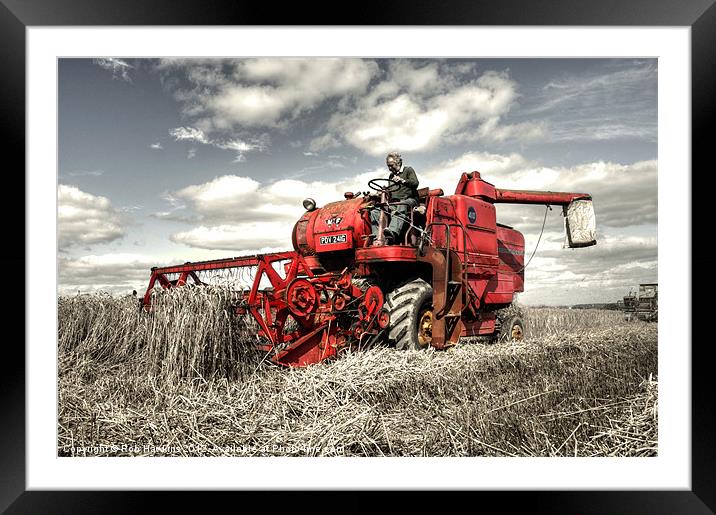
165,161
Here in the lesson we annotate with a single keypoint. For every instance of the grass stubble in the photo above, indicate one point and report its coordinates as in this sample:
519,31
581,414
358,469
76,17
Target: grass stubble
186,380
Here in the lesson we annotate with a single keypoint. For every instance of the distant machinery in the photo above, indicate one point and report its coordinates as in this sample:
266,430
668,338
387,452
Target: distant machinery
643,305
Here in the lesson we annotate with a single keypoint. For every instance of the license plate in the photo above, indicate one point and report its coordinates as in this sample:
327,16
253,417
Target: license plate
333,239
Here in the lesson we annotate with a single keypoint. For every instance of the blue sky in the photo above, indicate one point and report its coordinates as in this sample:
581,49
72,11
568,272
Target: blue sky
163,161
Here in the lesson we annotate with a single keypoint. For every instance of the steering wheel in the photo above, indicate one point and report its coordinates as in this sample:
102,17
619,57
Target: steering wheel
391,186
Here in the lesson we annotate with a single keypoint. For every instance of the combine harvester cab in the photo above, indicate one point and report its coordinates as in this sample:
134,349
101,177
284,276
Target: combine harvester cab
453,271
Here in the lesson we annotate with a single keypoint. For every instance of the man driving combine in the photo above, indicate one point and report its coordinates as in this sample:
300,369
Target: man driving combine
403,199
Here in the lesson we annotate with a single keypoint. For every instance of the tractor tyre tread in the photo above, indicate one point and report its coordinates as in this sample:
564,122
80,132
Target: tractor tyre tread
506,318
404,304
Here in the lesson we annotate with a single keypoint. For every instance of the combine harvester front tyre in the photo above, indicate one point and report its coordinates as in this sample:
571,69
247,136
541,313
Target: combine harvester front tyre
411,315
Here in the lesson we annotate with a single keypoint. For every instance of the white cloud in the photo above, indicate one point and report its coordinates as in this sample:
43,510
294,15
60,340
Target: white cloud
195,135
233,199
220,197
618,102
222,95
189,134
415,105
254,106
599,88
240,147
604,272
250,235
86,173
119,68
422,108
323,142
239,213
624,195
86,219
412,104
446,174
420,79
116,273
156,146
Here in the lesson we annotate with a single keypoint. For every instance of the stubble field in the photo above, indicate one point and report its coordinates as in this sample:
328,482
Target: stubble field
185,381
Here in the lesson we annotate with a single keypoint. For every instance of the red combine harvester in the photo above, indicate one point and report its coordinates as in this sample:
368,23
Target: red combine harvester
453,273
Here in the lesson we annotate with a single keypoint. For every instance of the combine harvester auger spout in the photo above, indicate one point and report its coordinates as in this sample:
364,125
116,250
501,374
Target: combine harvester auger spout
329,311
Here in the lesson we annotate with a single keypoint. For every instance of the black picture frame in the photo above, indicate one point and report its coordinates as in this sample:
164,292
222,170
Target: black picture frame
17,15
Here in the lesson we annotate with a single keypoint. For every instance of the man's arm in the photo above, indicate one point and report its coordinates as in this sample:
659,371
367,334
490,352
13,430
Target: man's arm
411,179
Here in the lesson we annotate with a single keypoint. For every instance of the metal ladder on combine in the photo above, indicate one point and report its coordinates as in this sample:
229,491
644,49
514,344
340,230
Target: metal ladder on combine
450,289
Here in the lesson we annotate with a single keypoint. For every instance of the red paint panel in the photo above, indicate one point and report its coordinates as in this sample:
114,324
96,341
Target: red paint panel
475,213
389,253
472,185
479,286
555,198
501,289
345,216
478,328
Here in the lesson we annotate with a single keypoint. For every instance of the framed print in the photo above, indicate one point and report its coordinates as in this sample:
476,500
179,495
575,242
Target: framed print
220,295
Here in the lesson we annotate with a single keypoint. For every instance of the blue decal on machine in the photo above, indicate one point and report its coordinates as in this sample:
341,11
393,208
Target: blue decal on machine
471,214
333,239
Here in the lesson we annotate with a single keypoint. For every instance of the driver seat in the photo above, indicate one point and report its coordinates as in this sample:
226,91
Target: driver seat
418,215
417,221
